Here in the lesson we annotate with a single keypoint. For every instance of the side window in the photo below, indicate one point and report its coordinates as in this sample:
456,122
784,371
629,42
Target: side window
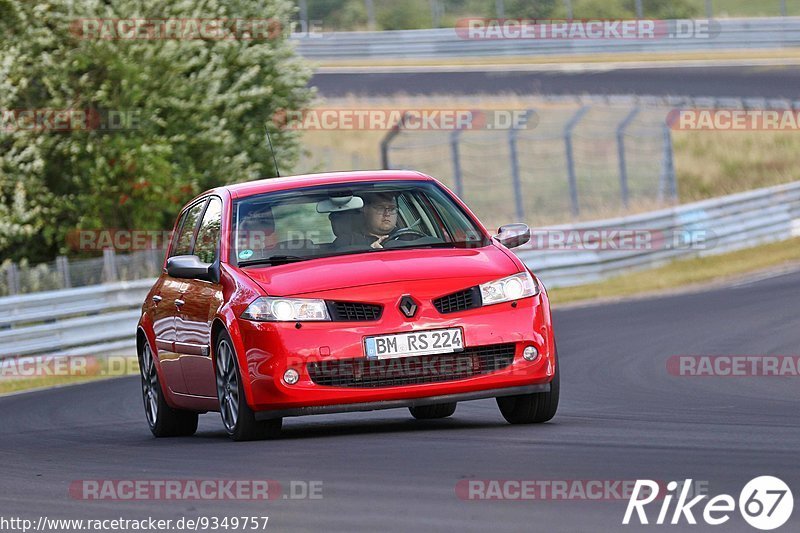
183,245
208,234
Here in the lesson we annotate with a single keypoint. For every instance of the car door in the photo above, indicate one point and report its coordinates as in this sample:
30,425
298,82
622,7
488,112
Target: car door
201,300
171,294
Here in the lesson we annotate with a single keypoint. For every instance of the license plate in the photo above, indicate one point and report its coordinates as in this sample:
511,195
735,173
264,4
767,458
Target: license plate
414,343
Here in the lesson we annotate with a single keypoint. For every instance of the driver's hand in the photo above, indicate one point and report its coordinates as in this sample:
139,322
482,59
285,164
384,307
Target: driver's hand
378,243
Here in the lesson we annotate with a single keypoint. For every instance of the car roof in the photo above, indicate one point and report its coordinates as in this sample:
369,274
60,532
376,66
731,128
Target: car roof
241,190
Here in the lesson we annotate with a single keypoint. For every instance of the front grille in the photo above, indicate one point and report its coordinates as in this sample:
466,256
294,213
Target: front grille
459,301
373,373
354,311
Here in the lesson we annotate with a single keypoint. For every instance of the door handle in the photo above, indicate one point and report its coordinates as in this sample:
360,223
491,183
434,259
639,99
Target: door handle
179,303
157,299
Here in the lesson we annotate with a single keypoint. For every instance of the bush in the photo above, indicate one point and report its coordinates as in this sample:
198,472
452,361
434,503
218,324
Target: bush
195,113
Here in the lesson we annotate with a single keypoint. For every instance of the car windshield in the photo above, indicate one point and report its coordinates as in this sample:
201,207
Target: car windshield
304,224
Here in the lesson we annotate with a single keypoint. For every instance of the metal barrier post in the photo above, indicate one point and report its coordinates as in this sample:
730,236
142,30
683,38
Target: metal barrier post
623,167
455,137
62,265
512,148
709,10
370,15
666,182
500,9
573,181
639,10
12,275
109,265
387,141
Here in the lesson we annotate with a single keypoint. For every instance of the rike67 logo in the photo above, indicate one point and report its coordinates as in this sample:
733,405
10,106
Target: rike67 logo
765,503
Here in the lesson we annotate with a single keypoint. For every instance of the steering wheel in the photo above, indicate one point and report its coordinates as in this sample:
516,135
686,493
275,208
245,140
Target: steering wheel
399,233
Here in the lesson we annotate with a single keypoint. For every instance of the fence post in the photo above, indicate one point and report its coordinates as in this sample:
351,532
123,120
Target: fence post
370,14
304,17
568,5
13,279
783,8
709,9
387,141
500,8
62,265
109,265
623,167
573,181
455,137
639,10
512,148
436,13
666,182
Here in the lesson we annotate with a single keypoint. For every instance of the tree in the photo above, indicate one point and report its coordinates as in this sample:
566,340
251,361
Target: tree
188,114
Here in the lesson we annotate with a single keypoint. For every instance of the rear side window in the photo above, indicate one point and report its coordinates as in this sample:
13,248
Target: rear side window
208,234
183,243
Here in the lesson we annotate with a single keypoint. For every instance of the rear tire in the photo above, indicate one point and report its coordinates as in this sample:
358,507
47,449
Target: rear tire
237,417
531,408
164,421
431,412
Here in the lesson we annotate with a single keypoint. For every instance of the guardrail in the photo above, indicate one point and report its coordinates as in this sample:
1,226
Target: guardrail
102,319
702,228
726,34
88,320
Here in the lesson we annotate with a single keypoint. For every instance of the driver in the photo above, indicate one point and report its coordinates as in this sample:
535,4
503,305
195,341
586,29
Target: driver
379,220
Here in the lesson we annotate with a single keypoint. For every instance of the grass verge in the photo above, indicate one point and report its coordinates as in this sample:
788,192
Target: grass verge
721,55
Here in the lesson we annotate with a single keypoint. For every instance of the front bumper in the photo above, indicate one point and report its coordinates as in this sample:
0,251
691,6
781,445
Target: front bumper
270,348
394,404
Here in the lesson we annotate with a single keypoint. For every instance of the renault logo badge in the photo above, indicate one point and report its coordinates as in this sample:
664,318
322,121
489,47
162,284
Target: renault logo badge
408,306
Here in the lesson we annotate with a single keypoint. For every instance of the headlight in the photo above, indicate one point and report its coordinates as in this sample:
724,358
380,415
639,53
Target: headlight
514,287
267,309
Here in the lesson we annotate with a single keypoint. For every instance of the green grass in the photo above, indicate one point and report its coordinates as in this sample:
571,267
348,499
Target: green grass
684,273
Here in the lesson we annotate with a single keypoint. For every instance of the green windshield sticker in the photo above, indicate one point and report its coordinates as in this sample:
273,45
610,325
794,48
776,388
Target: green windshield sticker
245,254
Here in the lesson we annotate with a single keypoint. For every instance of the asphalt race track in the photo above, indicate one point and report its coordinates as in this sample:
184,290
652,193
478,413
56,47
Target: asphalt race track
622,417
728,81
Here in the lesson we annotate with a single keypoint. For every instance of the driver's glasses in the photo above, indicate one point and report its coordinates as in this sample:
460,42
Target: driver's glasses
385,209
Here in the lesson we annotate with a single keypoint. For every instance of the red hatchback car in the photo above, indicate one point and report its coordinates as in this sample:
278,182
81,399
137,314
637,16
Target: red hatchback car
341,292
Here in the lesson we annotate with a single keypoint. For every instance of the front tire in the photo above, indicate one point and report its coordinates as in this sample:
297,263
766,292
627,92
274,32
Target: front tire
432,412
531,408
237,417
164,421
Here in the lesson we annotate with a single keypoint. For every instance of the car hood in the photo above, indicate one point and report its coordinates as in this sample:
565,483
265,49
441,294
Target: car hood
483,264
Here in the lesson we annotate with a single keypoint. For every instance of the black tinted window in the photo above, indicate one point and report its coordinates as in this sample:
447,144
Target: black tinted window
208,234
183,244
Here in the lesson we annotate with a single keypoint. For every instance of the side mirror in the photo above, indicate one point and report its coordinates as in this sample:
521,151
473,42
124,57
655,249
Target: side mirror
513,235
189,267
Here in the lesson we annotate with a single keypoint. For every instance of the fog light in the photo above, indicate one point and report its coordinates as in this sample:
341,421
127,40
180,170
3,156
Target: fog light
291,376
530,353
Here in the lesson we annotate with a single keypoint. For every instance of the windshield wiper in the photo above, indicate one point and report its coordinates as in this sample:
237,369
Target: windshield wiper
274,260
